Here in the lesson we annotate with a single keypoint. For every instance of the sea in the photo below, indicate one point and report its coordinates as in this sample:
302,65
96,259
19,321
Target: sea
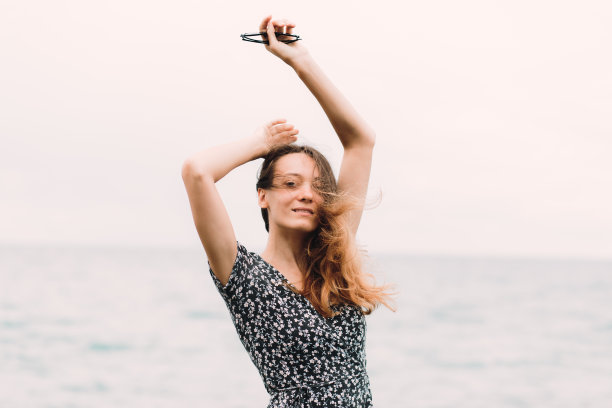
124,327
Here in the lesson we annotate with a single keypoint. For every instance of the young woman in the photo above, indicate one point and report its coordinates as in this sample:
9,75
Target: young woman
298,307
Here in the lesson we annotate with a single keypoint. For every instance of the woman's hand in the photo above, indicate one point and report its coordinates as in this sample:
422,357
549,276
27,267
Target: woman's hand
289,53
275,133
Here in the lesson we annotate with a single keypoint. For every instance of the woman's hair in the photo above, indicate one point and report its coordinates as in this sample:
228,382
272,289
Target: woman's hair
332,263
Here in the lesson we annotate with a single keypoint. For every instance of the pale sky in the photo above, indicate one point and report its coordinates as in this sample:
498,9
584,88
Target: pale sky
493,118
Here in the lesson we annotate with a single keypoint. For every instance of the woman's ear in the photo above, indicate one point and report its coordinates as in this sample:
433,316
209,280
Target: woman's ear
261,198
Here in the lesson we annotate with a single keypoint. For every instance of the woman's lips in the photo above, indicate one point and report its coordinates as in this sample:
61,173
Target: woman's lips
303,211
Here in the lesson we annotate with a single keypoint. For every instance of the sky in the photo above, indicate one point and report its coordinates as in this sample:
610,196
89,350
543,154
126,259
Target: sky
493,123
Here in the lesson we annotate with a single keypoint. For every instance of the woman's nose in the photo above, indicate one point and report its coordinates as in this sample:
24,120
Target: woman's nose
305,192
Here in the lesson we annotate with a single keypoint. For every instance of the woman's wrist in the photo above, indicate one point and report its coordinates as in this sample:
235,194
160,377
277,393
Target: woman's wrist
256,145
299,61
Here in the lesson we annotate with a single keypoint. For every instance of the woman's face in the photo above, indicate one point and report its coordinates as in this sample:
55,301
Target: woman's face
293,202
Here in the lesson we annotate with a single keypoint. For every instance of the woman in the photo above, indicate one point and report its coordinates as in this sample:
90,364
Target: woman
298,307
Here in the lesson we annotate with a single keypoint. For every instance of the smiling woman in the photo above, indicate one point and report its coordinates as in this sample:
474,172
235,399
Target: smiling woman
299,308
302,173
291,193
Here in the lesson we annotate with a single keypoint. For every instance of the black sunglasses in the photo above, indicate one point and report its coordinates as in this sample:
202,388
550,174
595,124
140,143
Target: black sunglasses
264,35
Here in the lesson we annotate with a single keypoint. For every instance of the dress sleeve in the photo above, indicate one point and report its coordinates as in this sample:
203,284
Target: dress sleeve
237,276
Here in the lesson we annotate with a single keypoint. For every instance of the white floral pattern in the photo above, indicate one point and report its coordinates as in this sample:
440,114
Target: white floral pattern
304,359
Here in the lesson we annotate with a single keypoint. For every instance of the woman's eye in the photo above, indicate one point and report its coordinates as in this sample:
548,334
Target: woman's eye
290,184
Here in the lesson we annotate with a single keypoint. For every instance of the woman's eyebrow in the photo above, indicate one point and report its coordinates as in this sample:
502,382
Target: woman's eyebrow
288,174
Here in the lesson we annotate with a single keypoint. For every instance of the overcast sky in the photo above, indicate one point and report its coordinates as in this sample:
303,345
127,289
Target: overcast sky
493,122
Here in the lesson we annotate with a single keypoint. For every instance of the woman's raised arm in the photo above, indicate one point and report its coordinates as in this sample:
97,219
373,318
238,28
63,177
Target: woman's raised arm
356,136
200,173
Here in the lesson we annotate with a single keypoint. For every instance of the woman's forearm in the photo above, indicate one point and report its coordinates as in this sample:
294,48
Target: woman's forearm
348,124
217,161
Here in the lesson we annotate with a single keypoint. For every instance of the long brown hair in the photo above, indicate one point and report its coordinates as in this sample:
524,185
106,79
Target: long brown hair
332,262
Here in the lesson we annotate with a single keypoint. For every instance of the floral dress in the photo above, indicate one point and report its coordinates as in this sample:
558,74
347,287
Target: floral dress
304,359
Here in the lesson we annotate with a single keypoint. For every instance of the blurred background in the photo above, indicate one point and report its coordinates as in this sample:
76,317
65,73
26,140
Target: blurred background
490,195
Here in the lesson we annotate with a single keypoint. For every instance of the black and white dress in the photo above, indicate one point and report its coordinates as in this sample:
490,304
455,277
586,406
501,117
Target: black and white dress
304,359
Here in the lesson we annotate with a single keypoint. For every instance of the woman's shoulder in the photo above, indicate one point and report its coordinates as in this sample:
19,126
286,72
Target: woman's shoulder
245,258
248,267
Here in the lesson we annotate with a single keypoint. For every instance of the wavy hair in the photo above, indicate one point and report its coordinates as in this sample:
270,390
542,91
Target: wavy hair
331,261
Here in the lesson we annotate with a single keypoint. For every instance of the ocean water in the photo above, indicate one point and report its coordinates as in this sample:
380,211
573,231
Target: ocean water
102,327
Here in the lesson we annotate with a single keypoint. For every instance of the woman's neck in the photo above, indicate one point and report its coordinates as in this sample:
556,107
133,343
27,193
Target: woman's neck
284,252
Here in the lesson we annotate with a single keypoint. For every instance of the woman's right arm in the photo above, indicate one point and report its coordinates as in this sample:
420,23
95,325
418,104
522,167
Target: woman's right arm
200,173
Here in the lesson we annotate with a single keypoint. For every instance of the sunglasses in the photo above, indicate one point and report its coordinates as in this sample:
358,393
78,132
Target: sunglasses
279,36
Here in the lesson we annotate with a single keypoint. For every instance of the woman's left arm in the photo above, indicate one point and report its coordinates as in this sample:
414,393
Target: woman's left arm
356,136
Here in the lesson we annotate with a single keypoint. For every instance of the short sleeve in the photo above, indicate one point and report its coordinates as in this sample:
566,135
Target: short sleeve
237,276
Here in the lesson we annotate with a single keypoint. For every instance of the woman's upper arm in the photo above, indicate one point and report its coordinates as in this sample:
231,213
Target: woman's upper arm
212,221
354,177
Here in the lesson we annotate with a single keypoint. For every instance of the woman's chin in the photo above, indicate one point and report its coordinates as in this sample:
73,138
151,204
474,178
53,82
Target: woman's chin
306,228
302,227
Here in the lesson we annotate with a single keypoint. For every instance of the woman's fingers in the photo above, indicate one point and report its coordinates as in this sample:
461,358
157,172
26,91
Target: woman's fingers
284,133
263,27
276,122
290,135
283,22
290,27
273,28
277,132
282,128
279,42
271,37
279,26
283,26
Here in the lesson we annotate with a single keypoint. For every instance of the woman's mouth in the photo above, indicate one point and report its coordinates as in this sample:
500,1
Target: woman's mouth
305,211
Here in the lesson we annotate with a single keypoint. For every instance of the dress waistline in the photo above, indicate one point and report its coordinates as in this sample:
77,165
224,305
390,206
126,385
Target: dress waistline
305,390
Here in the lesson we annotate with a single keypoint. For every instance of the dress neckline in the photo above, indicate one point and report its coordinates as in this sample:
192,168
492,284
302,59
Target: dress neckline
297,291
279,273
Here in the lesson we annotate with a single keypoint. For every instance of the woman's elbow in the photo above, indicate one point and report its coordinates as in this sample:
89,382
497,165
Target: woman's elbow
366,140
370,138
190,169
360,140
